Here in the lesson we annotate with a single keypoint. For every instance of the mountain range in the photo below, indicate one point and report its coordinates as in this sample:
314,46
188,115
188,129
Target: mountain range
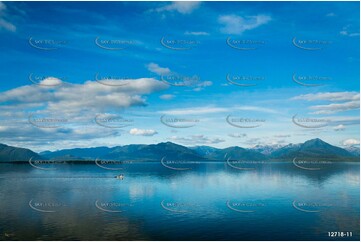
311,149
11,154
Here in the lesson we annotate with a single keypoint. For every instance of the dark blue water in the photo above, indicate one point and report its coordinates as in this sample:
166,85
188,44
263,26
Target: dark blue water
211,201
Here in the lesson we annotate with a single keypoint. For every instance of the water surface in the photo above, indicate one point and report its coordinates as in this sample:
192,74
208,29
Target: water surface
211,201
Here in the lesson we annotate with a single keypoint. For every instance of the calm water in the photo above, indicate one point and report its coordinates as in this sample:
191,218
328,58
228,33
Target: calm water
212,201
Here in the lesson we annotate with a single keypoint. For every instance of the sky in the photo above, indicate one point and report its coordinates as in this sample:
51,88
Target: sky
221,74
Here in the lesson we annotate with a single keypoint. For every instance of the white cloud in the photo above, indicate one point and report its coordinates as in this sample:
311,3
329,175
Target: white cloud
255,141
343,32
196,140
202,85
196,33
345,120
212,109
345,101
183,7
336,107
353,34
346,32
23,134
330,15
51,81
339,127
350,142
194,111
329,96
5,24
256,109
188,81
155,68
91,97
237,135
233,24
282,136
167,96
143,132
205,84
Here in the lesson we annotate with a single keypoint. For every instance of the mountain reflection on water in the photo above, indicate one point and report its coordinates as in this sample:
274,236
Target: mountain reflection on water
210,201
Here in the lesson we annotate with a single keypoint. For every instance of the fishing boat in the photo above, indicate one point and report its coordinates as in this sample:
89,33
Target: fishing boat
120,177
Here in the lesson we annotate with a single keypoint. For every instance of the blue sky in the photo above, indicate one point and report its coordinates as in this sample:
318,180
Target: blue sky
109,73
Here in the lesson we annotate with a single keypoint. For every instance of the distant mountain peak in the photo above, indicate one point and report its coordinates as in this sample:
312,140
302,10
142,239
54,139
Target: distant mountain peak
266,149
316,140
